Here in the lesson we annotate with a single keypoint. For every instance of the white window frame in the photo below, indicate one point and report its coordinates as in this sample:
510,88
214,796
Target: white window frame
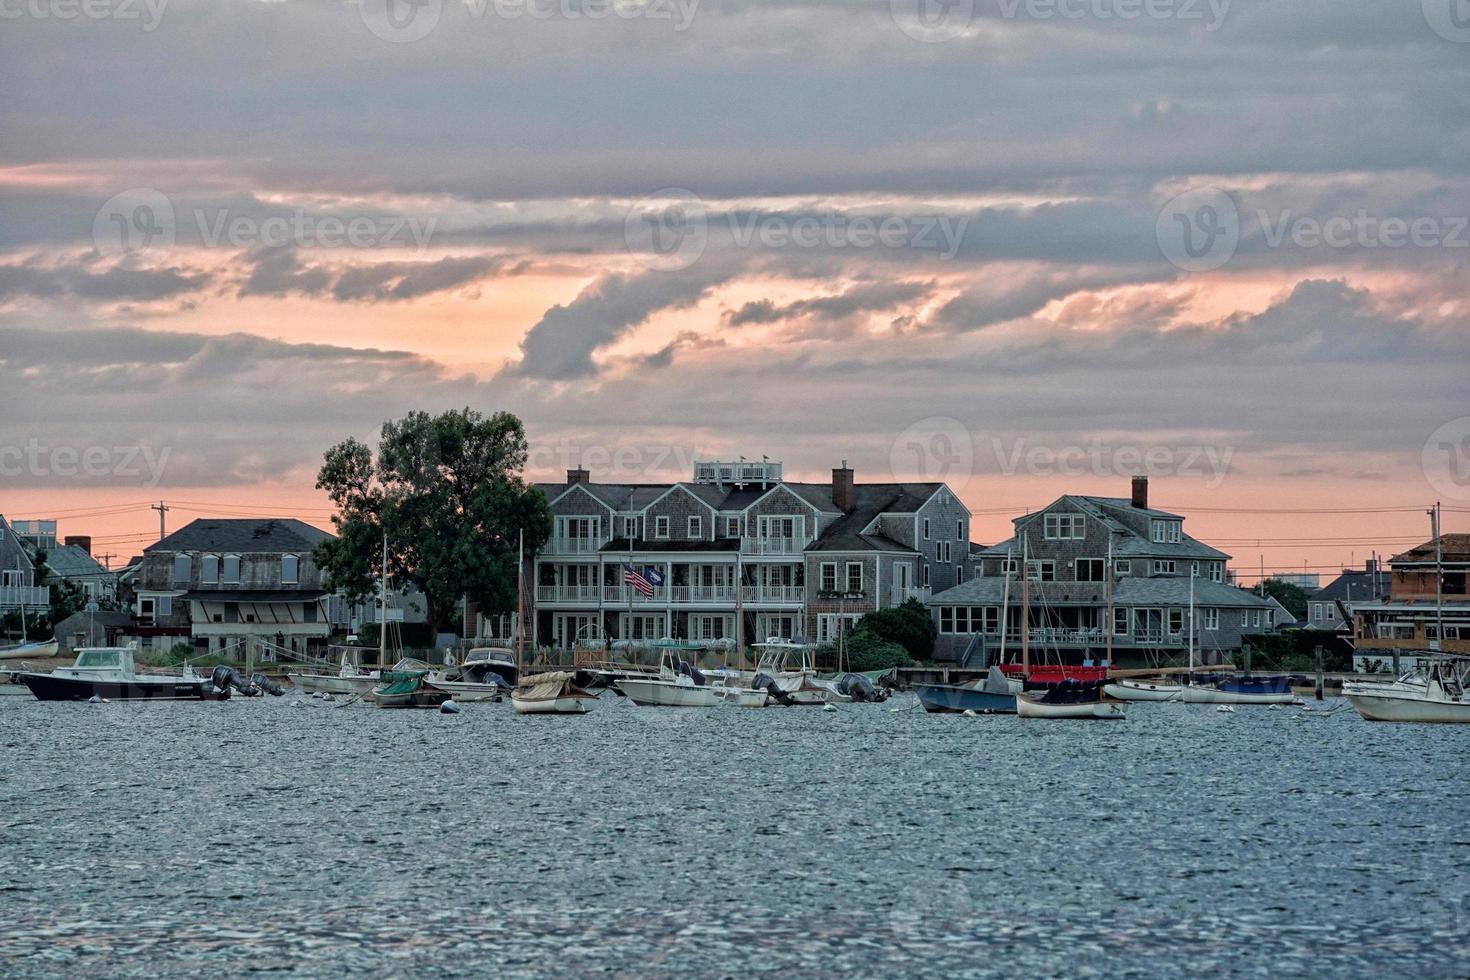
1165,566
926,529
1064,526
1217,571
1010,566
732,527
695,527
1036,566
1212,619
661,527
294,562
924,574
822,571
847,577
1102,567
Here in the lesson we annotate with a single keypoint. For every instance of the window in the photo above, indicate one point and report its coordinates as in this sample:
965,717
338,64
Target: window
959,530
1010,566
924,575
1176,622
661,527
183,569
696,527
944,551
308,612
1043,570
290,569
732,527
231,573
1212,619
829,576
1160,530
209,570
1163,567
1217,571
926,529
1329,612
146,607
1064,526
1122,566
946,619
992,619
1090,569
1120,622
959,574
854,576
630,527
11,578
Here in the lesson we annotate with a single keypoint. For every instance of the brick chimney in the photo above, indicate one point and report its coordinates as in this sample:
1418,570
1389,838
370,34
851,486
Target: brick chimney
83,541
1140,492
842,492
578,475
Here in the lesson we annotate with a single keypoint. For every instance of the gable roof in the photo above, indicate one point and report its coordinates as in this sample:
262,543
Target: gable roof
73,561
1355,585
282,534
1109,511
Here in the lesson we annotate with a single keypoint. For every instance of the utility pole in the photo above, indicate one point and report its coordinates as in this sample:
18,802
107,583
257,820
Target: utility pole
162,509
107,561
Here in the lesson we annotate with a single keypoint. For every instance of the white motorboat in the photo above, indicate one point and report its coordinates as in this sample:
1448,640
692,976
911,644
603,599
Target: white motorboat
554,693
349,679
1028,707
799,682
487,674
1431,695
676,685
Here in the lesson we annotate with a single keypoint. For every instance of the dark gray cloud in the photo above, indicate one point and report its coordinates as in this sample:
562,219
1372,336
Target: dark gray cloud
871,297
104,284
282,272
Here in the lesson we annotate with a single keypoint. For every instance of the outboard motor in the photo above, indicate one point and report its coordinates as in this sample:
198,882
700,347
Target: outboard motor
267,685
858,687
224,678
765,682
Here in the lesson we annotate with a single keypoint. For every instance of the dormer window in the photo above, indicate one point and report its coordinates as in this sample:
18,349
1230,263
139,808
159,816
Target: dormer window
231,573
1063,527
209,570
1166,532
183,569
290,569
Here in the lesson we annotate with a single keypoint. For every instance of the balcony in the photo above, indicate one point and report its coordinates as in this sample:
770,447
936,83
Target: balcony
32,597
614,596
574,546
772,546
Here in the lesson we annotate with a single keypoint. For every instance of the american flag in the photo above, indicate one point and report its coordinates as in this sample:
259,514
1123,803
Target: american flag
642,579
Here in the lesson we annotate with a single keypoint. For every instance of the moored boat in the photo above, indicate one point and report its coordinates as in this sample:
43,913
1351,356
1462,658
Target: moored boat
991,694
676,685
552,693
1069,700
349,679
1433,695
109,672
487,674
37,649
407,689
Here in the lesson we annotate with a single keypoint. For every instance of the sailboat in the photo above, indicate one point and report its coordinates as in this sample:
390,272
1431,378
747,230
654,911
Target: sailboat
1433,692
349,679
1244,690
399,688
550,693
992,694
1072,698
28,648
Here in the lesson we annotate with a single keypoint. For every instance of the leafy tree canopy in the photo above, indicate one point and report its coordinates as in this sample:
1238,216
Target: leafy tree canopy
448,491
908,625
1290,595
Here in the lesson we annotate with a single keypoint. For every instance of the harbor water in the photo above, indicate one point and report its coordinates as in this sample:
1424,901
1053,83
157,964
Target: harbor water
296,835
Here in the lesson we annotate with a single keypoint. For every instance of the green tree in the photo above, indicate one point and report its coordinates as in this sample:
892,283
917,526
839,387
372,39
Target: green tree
908,625
448,491
1292,596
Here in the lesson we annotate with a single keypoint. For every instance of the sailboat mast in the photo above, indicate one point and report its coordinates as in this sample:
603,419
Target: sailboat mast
383,607
1438,581
520,603
1025,607
1191,623
1108,621
739,610
1005,606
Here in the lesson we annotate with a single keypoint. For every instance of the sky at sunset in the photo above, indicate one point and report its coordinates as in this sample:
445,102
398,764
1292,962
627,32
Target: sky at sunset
1024,247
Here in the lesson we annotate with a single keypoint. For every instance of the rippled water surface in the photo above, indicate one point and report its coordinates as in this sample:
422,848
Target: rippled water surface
294,835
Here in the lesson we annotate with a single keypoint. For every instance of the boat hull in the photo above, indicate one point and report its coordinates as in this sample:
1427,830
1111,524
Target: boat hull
668,694
568,705
467,692
333,684
1213,695
1405,707
1136,691
941,698
1102,710
40,650
47,687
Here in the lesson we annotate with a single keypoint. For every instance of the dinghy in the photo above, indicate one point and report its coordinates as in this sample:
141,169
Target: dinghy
553,693
37,649
1069,700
